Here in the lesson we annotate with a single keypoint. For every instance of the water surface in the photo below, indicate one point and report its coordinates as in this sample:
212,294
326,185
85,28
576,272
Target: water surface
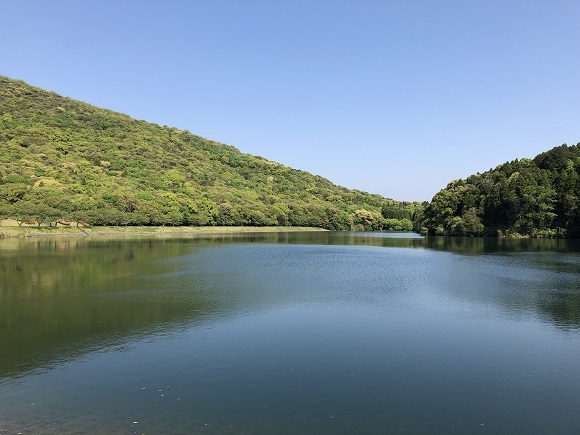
289,333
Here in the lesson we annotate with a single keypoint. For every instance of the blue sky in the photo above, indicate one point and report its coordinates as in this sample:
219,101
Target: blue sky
391,97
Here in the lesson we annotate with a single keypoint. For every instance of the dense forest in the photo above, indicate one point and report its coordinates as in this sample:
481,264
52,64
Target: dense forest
536,198
62,160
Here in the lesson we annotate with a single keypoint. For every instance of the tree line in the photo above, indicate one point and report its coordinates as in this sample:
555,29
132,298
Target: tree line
62,160
537,197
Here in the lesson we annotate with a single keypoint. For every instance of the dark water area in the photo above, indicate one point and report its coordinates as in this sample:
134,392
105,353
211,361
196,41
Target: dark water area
325,332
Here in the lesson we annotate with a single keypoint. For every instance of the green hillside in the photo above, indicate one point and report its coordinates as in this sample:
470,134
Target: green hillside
537,198
62,159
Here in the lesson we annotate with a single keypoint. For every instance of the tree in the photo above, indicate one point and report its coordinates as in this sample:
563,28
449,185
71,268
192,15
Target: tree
150,211
45,214
22,212
472,225
5,212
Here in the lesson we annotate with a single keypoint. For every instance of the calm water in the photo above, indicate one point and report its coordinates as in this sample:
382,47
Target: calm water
289,333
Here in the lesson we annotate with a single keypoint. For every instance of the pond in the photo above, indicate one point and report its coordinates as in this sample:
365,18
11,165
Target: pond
319,332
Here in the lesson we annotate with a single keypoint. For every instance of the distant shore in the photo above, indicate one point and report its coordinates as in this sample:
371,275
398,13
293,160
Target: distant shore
9,230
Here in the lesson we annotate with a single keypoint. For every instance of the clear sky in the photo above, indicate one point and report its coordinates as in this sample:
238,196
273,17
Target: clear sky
392,97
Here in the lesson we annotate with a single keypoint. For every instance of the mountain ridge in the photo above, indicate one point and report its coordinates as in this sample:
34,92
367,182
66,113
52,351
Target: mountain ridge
64,159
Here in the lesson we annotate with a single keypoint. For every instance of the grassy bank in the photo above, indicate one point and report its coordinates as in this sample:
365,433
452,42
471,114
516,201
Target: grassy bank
9,229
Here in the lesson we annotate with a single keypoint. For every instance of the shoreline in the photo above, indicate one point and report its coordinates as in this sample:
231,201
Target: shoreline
35,231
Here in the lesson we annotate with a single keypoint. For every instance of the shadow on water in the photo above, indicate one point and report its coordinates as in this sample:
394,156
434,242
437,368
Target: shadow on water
60,298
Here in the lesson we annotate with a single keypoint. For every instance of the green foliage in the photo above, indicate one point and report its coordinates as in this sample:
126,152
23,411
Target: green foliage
77,162
525,198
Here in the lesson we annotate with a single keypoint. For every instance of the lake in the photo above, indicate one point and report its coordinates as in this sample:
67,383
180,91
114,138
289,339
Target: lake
317,332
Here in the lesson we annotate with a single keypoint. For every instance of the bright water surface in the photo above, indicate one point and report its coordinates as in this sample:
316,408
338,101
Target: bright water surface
289,333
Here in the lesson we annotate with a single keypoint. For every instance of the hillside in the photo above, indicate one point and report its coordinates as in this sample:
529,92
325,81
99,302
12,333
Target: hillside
537,198
62,159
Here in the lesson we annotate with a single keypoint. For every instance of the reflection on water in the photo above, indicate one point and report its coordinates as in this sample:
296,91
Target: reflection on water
330,323
61,295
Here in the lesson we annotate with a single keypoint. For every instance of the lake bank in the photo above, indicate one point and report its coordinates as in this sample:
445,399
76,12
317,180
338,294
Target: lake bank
10,231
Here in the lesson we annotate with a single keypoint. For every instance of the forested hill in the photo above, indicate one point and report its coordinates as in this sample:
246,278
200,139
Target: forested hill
62,159
538,198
